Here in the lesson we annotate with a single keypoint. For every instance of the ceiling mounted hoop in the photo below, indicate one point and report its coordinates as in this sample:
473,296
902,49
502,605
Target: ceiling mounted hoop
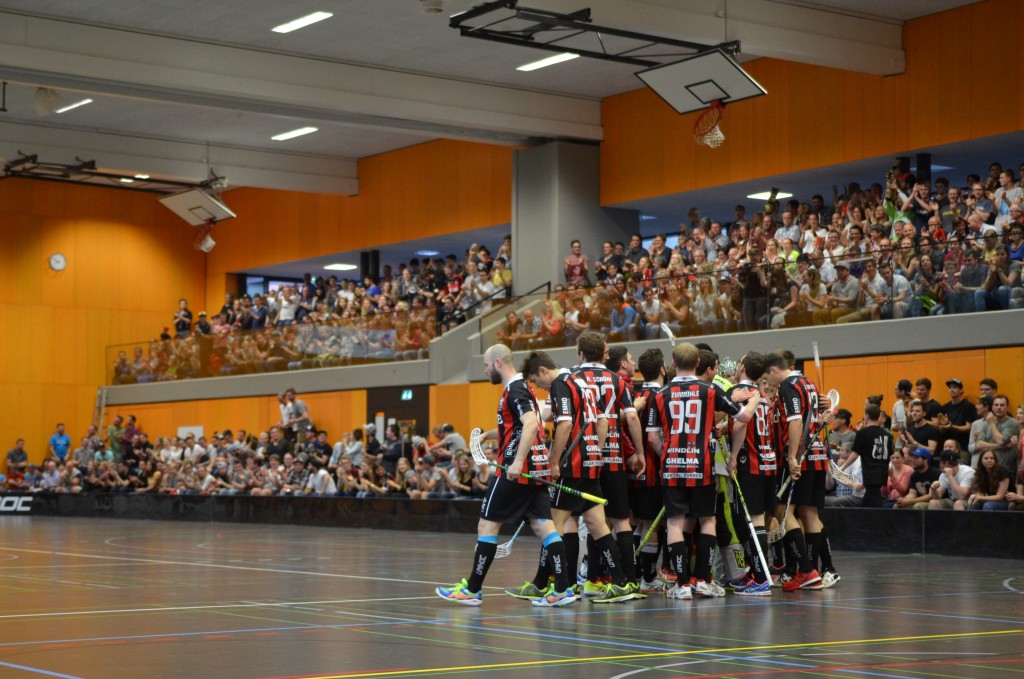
706,130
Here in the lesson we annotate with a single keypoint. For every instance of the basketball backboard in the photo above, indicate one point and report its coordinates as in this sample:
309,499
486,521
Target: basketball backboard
693,83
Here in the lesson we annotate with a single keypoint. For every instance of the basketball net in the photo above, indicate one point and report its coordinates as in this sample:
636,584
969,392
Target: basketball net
706,130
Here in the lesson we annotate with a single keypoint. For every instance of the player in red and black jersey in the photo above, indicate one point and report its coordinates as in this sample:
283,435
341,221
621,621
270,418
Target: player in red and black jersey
680,426
645,500
613,400
576,461
807,462
754,464
510,498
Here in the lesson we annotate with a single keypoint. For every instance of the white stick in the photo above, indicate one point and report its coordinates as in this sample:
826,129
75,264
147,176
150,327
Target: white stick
817,357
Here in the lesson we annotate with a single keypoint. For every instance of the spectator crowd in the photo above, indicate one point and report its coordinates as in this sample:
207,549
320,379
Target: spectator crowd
325,322
902,249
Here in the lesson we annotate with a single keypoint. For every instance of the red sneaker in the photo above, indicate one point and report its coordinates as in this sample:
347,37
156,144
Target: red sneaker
803,580
668,575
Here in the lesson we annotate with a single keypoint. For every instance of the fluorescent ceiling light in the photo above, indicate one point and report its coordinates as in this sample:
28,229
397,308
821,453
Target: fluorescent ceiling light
142,176
341,267
765,195
127,180
294,133
647,218
550,61
935,168
427,253
302,22
74,105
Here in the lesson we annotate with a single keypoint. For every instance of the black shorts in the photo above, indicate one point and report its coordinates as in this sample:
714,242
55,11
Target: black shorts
615,489
809,490
695,501
571,502
509,502
758,492
645,502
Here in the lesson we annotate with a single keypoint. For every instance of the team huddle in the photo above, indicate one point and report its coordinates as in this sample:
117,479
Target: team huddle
657,478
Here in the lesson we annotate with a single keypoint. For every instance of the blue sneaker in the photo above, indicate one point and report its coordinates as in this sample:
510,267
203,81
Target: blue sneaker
739,583
460,594
553,598
753,588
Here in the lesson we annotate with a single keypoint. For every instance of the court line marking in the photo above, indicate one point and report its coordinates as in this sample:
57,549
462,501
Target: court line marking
247,604
667,654
36,670
224,566
659,667
1006,584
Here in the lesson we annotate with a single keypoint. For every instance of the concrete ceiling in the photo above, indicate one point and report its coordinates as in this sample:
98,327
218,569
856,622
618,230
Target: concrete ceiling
181,87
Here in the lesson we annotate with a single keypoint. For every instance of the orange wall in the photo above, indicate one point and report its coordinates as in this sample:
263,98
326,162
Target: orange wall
129,261
815,116
857,378
417,192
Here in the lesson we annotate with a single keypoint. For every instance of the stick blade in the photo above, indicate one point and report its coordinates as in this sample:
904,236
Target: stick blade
474,447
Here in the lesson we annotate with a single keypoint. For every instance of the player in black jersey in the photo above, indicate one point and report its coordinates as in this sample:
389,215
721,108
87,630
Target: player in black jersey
807,460
754,464
510,497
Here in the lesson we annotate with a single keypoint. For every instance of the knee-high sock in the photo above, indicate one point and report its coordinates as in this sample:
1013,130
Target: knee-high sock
482,560
649,561
778,554
572,555
540,580
826,552
609,551
679,561
557,561
813,548
796,545
625,543
705,553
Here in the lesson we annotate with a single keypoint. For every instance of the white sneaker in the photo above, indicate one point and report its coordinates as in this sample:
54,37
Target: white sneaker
656,586
709,589
679,592
829,579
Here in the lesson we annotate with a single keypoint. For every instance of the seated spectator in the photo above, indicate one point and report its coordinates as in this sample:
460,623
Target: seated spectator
924,475
1016,498
846,495
991,483
898,484
954,484
398,485
320,482
552,331
51,480
431,483
461,476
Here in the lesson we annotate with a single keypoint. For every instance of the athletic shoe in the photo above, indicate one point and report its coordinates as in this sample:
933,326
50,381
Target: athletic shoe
829,579
709,589
739,583
460,594
667,575
656,586
754,588
528,590
775,574
679,592
583,569
614,594
553,598
576,589
803,581
593,589
634,587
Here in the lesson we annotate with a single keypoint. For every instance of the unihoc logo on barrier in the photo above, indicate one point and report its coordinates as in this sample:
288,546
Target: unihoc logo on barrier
16,504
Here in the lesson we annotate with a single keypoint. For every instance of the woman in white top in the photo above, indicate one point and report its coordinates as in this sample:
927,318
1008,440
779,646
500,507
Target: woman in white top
705,306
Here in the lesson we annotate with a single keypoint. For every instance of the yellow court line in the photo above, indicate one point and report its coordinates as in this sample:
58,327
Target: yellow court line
663,654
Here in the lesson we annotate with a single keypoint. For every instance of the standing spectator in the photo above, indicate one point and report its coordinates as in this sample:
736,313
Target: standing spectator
1005,432
900,409
919,433
874,446
393,439
372,443
636,252
978,203
203,326
957,415
295,415
923,386
1004,197
182,320
17,458
60,443
576,266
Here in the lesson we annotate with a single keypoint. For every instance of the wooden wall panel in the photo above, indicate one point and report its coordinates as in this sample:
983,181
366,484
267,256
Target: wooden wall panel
465,406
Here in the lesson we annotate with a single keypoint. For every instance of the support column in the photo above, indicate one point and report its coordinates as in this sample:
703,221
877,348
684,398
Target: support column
555,199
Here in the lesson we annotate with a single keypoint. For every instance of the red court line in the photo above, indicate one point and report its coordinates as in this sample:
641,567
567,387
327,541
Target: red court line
871,666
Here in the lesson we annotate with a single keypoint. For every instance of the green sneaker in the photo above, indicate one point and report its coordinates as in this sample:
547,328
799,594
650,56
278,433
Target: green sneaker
634,587
527,590
593,589
460,594
614,594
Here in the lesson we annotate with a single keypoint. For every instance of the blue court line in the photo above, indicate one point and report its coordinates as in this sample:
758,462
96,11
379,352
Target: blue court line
36,670
921,613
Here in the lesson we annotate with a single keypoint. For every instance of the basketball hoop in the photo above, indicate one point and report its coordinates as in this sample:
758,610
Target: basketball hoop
203,242
706,130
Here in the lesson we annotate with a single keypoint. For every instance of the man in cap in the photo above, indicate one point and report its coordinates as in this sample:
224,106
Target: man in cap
957,414
954,484
920,481
842,298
